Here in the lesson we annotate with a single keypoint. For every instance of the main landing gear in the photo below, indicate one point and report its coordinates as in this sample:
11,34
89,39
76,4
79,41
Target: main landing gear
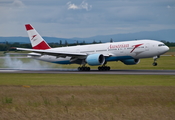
155,58
84,68
104,68
100,68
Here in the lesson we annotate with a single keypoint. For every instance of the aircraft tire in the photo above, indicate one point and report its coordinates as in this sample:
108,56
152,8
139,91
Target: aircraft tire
83,68
104,68
154,64
79,68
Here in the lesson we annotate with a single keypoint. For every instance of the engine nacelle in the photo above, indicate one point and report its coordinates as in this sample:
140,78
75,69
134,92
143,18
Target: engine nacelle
130,61
95,59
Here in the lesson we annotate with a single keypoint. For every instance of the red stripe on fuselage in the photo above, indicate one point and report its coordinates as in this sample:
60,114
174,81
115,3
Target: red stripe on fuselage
29,27
42,46
135,46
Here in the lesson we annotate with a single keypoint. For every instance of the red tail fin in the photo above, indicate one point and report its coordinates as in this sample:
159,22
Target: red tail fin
36,40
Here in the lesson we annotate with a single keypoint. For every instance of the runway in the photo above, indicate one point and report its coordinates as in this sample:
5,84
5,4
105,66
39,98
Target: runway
73,71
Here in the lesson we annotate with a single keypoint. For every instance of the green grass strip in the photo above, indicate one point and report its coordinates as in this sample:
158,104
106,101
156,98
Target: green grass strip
86,79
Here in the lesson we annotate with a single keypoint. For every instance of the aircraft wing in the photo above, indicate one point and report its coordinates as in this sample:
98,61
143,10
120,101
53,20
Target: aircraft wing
54,53
21,54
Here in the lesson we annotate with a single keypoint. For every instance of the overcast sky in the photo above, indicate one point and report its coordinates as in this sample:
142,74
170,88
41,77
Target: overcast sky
85,18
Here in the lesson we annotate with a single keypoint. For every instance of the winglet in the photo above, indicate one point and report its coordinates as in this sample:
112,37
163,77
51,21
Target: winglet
36,40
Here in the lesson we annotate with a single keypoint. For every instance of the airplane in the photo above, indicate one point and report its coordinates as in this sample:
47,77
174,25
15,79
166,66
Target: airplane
128,52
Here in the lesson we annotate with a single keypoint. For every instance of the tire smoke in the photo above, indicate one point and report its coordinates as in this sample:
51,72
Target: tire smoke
18,63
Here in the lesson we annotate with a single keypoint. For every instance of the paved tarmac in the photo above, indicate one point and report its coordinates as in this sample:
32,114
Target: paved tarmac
74,71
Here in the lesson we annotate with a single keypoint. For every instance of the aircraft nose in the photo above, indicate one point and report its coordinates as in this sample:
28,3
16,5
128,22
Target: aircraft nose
163,49
166,48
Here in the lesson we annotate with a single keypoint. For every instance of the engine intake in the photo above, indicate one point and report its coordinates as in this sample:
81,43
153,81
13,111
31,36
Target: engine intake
130,61
95,59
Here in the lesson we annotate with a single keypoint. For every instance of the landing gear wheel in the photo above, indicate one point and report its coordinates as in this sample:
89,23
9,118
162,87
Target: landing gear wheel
84,68
79,68
154,64
104,68
155,58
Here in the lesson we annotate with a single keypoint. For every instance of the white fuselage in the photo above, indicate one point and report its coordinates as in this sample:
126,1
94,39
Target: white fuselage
115,51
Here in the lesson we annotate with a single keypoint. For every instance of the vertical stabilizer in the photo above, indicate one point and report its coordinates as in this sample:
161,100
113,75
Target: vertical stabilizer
36,40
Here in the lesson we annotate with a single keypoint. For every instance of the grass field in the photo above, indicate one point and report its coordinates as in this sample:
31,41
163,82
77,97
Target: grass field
87,97
87,102
86,80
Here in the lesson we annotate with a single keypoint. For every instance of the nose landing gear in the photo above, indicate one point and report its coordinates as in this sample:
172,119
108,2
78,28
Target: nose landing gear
154,63
155,58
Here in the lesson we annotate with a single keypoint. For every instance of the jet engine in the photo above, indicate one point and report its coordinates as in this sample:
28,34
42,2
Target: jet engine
95,59
130,61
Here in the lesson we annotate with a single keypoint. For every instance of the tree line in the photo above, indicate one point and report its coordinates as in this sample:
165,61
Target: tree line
6,46
169,44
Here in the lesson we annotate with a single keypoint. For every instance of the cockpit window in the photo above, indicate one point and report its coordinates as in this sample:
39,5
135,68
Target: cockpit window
161,45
